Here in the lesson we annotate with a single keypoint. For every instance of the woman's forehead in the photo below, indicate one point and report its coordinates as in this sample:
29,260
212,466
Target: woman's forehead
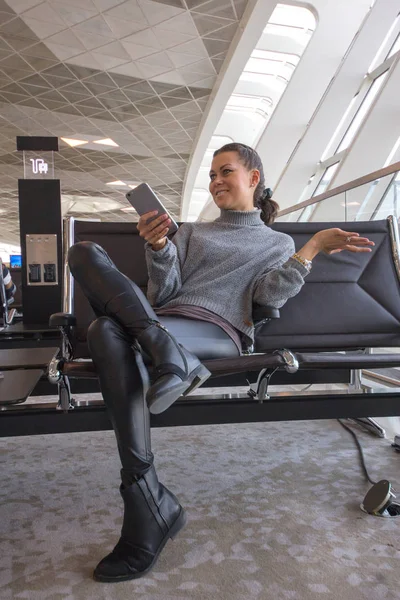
224,158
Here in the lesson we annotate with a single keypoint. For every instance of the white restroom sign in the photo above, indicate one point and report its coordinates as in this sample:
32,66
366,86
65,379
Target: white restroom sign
39,166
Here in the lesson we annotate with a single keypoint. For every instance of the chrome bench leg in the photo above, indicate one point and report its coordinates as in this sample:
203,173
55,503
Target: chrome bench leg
370,425
367,423
261,386
355,384
65,402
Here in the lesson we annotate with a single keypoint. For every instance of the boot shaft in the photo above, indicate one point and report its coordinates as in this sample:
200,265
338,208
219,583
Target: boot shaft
150,510
162,347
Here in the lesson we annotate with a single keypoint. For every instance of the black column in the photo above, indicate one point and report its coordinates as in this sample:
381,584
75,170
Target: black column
40,213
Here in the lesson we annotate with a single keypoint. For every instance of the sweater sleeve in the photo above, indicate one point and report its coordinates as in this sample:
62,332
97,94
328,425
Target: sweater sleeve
281,281
164,267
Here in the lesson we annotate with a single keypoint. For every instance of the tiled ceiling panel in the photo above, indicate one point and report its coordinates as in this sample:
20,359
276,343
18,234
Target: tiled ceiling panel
138,72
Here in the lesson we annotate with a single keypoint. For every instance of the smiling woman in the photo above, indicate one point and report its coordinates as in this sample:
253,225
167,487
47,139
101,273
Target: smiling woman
199,276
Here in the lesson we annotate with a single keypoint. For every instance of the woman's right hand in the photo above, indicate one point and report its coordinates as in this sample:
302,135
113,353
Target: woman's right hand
154,232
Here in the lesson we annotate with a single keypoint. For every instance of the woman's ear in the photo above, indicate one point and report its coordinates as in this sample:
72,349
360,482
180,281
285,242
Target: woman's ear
254,177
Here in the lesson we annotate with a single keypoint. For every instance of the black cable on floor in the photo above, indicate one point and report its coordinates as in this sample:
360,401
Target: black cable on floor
360,450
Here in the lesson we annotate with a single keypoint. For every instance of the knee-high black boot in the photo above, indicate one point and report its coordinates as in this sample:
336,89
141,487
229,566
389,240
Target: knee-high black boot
176,370
152,514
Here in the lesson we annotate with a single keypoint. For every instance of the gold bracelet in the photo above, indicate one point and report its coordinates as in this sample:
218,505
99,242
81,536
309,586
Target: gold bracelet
303,261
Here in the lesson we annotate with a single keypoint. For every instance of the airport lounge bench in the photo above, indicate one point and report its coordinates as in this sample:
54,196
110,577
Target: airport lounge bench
348,308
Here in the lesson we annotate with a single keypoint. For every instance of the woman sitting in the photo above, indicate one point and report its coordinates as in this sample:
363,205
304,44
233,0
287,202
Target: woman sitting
210,272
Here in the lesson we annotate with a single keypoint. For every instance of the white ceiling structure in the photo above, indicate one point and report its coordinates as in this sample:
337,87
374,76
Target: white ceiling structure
136,72
257,93
335,66
153,82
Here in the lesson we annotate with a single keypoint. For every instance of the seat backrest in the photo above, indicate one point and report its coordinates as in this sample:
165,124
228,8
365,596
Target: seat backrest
349,300
125,247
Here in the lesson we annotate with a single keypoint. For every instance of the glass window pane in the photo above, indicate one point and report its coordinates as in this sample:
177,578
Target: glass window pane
299,35
255,65
270,67
265,77
198,200
269,81
326,179
238,102
393,153
338,129
378,58
217,141
293,59
293,16
395,48
362,111
390,203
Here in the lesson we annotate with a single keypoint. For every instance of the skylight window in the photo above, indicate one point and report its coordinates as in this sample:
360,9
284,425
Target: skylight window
292,16
379,56
270,67
106,142
217,141
395,48
326,179
393,153
72,142
339,128
362,111
260,86
242,103
357,112
276,56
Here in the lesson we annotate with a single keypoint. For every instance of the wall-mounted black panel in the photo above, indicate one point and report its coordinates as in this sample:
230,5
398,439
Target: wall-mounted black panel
38,143
40,213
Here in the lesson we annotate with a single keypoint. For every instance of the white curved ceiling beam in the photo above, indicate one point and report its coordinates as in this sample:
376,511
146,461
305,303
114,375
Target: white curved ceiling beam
250,30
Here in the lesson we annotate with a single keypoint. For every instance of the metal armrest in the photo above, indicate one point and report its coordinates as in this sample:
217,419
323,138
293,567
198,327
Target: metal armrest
62,320
262,313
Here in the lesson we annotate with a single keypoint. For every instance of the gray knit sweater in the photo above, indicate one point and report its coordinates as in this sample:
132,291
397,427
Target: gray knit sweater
225,266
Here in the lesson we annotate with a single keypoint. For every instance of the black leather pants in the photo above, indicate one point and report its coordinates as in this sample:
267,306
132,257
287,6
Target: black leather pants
123,311
124,382
108,290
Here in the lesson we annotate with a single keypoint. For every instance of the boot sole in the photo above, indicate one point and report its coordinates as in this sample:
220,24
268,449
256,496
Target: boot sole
180,522
196,378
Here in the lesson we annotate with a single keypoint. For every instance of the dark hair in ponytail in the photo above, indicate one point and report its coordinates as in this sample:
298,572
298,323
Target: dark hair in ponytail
262,196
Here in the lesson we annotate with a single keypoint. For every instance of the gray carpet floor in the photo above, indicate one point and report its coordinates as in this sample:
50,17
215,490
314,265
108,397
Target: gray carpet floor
273,514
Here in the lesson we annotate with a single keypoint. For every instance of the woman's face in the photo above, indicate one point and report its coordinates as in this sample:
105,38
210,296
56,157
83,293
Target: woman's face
232,185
